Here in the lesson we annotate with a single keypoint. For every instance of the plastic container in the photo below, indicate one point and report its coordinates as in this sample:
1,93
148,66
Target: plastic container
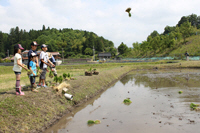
68,96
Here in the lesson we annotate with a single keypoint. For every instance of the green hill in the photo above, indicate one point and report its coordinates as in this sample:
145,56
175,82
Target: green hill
74,43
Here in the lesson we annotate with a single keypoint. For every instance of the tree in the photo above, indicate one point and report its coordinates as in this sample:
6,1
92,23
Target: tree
193,19
154,34
186,29
43,28
169,29
1,43
112,50
122,49
183,20
88,51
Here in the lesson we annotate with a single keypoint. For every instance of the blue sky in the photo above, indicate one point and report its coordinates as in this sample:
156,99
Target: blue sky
106,18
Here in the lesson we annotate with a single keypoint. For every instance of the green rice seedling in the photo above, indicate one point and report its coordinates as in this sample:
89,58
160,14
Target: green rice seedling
60,79
39,71
194,106
65,75
90,70
97,122
90,122
127,101
55,79
51,74
69,75
180,92
94,122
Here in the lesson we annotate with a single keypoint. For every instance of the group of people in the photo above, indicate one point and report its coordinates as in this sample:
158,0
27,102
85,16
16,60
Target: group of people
45,60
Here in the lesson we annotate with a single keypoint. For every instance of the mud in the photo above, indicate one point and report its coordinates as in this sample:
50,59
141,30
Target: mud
156,105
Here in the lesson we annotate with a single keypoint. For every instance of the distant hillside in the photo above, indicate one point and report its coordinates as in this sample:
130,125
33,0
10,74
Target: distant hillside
73,42
174,41
192,46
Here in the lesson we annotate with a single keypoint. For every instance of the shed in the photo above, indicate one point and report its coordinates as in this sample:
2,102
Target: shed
104,55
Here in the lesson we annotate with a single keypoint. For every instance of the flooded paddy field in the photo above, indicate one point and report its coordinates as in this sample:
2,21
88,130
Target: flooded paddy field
156,106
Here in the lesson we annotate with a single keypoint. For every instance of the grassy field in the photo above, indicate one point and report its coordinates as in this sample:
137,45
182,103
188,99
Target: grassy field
36,111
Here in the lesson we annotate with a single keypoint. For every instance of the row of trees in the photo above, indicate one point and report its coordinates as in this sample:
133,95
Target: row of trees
170,39
72,42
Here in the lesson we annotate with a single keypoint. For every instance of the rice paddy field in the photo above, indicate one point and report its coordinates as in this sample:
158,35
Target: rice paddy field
41,110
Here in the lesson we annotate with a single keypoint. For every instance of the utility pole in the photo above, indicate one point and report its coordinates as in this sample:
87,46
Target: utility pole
8,52
94,53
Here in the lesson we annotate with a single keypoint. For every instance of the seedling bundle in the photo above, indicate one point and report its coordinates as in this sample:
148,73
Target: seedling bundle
51,74
93,122
127,101
194,106
180,92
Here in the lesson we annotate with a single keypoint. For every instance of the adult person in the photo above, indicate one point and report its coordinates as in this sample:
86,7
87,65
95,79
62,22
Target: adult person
52,59
33,49
187,56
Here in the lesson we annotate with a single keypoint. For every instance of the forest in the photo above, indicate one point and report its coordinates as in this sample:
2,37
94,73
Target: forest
72,42
79,44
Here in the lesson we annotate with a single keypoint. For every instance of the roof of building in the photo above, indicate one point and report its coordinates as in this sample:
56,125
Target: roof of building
104,54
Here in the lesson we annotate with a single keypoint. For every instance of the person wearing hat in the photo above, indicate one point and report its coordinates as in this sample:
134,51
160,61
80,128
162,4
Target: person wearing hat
44,59
52,59
32,66
17,68
33,49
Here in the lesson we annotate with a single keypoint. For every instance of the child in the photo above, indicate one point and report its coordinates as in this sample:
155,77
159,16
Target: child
52,59
43,64
18,67
32,66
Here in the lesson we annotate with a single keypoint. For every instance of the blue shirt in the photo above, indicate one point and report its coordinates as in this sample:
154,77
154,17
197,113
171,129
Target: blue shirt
33,67
29,54
52,59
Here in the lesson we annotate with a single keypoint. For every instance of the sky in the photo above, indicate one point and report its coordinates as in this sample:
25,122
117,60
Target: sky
106,18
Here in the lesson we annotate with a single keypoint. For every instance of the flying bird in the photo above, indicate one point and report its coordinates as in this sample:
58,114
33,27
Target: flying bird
128,10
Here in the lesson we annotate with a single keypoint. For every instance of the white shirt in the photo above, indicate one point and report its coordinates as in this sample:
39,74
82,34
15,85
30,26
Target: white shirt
16,67
44,56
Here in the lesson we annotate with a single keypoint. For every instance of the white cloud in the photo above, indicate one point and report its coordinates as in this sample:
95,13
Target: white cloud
105,18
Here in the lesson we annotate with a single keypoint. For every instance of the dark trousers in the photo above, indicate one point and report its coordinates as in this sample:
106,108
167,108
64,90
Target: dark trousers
32,80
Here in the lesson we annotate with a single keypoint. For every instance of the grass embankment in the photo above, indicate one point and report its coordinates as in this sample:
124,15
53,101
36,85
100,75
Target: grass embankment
35,111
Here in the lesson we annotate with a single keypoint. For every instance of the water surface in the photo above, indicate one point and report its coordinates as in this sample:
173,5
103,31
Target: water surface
156,106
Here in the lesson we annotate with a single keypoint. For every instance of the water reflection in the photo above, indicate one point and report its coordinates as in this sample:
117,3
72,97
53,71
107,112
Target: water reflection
156,105
162,79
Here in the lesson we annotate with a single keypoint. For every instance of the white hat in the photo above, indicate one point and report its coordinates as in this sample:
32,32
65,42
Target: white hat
33,54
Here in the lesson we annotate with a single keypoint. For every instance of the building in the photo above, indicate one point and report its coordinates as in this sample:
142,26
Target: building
102,56
25,55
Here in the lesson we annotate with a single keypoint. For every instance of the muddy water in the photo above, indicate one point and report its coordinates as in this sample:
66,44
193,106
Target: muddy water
156,105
